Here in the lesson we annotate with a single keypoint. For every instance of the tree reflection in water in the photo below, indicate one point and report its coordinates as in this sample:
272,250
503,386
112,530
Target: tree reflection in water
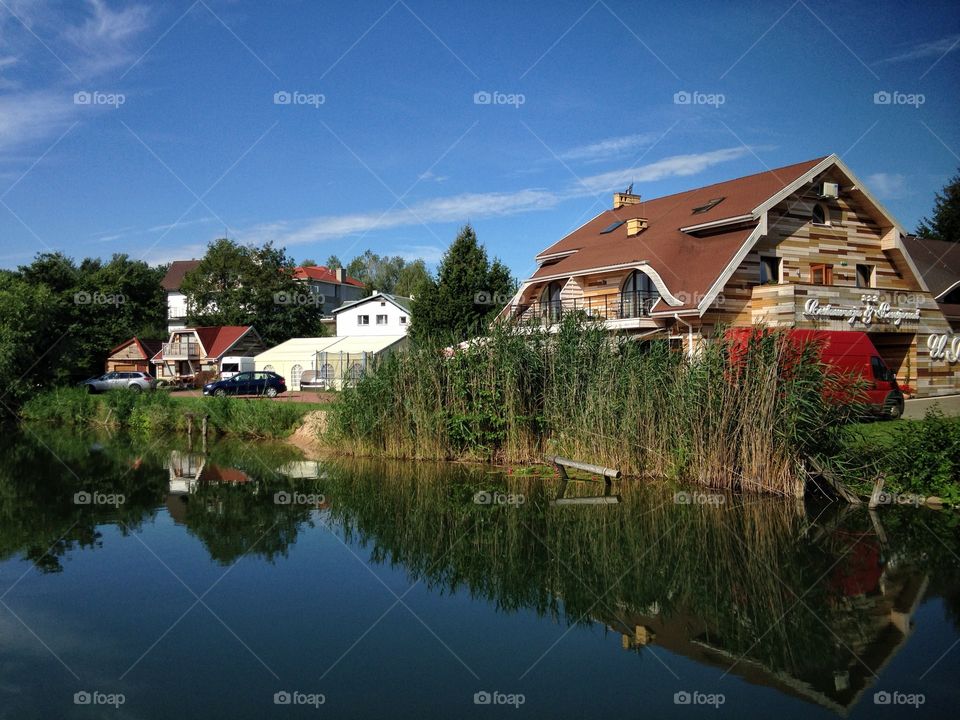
811,601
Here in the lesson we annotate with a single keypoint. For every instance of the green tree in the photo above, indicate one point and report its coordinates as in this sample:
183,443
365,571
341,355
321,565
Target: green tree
58,320
945,223
412,279
467,294
247,285
334,262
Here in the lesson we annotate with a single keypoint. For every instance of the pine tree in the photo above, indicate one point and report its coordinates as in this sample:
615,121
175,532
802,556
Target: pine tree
945,223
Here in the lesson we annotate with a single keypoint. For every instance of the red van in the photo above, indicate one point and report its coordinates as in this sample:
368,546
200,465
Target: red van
850,354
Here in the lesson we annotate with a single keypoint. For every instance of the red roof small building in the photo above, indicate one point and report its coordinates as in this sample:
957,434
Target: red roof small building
132,355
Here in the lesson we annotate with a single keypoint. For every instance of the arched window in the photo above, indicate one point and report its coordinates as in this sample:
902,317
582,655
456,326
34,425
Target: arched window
550,301
637,295
819,214
295,372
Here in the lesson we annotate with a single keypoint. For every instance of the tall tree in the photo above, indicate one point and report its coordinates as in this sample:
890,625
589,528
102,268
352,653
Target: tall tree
58,320
247,285
334,262
466,295
945,223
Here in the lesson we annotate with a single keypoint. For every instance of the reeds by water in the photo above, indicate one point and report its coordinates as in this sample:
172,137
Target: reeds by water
746,424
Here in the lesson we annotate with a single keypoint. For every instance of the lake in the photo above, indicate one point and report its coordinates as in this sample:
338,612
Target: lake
148,579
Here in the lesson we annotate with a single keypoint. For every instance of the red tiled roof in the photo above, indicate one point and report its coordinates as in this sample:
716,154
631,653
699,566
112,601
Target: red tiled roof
323,274
216,340
688,265
174,277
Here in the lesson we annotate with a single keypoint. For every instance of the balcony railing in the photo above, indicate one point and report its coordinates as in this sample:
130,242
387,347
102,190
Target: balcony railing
181,350
621,306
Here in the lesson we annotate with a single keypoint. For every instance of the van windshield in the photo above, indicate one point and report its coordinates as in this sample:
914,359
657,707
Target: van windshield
880,370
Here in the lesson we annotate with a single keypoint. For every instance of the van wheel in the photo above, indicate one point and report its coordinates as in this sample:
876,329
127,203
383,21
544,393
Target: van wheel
893,407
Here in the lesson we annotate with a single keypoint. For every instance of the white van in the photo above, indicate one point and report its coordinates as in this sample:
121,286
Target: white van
230,366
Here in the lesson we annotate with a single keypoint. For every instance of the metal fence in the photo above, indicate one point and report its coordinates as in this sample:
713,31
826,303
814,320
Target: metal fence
335,370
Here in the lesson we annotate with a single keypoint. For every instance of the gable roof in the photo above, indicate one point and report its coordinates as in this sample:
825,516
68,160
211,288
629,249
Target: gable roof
693,240
399,300
323,274
174,277
938,261
217,340
147,348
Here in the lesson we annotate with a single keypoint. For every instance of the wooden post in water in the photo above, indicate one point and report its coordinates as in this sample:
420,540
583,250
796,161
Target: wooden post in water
203,433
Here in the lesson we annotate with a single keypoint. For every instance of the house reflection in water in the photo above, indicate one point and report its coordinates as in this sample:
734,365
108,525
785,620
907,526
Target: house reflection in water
188,471
871,599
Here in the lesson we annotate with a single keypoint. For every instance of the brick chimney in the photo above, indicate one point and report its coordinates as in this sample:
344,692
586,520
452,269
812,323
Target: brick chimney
621,198
635,226
341,275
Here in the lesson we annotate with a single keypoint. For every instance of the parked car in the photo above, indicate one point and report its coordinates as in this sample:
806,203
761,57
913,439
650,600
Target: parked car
135,381
248,383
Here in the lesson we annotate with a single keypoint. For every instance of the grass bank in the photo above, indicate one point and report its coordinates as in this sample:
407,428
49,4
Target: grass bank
915,457
153,412
641,407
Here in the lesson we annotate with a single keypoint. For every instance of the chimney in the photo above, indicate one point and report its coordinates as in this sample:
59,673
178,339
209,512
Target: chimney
623,198
635,226
341,275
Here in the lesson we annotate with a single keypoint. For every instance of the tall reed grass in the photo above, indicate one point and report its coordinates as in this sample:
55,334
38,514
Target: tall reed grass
742,419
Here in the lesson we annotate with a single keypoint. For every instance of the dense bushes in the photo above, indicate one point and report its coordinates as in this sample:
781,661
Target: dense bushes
581,393
153,412
914,456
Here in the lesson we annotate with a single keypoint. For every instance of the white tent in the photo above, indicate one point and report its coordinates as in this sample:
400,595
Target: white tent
325,361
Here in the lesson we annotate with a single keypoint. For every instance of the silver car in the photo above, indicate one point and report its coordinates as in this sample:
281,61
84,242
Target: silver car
135,381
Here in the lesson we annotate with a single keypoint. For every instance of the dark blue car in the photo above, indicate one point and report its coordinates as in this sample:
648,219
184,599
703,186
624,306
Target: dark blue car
248,383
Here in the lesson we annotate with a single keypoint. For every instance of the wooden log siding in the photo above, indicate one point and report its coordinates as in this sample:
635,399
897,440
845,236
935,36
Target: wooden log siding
852,238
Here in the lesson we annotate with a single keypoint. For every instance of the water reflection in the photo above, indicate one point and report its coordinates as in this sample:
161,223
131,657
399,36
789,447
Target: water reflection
814,602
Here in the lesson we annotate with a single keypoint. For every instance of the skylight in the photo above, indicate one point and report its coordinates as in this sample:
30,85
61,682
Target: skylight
611,227
709,205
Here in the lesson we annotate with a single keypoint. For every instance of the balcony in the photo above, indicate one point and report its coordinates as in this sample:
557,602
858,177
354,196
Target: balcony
181,351
614,307
176,312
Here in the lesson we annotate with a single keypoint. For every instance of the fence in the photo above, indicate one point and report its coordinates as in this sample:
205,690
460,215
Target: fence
334,371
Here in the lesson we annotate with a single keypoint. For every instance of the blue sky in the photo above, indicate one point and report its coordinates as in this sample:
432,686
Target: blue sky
153,128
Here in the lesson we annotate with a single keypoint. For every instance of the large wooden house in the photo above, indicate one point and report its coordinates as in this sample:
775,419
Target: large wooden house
806,246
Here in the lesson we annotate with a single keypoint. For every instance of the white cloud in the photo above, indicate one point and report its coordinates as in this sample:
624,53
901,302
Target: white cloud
932,49
674,166
30,116
611,147
103,41
888,186
475,206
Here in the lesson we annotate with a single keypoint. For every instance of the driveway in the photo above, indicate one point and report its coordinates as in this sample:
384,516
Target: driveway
916,408
303,396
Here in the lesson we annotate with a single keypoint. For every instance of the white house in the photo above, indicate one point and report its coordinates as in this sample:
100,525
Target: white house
176,300
379,314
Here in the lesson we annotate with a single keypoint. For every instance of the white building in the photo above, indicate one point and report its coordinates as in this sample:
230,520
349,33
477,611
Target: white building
380,314
176,300
327,363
